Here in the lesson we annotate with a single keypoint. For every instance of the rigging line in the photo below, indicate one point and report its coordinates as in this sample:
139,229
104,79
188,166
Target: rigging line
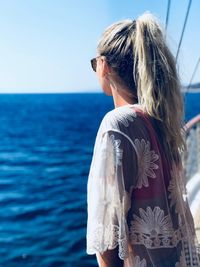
183,30
167,16
193,74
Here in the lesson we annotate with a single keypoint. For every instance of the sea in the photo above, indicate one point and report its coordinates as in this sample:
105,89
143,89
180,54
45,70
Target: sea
46,147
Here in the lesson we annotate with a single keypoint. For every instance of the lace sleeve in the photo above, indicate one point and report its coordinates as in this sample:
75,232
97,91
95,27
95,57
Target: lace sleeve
108,201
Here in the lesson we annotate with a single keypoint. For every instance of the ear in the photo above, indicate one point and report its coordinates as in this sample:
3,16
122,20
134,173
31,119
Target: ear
104,68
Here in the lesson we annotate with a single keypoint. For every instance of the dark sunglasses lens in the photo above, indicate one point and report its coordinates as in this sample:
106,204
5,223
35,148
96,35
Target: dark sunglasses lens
94,64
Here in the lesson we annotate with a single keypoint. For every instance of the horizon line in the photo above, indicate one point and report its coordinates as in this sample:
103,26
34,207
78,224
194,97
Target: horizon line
183,90
51,92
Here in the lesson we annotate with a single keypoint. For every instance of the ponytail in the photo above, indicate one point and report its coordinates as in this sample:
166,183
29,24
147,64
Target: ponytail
137,52
157,82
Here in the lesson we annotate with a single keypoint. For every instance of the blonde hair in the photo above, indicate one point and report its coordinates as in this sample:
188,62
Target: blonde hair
137,52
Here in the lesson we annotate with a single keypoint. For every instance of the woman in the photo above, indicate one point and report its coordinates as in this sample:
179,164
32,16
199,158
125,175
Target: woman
137,207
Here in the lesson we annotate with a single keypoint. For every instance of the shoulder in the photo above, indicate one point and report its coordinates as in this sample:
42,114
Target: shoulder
121,117
124,119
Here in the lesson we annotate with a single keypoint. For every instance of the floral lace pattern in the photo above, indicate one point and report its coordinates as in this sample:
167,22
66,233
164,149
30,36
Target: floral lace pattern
139,263
111,153
174,192
147,159
107,237
190,253
153,229
117,150
136,202
121,115
174,195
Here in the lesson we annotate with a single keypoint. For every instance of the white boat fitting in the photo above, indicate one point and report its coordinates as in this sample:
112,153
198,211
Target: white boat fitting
191,161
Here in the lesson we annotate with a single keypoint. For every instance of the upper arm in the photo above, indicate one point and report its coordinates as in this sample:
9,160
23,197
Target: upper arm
110,179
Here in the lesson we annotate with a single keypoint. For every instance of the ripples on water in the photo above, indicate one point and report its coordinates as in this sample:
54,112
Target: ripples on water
46,145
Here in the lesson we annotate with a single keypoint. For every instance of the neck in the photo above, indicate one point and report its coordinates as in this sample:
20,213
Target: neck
122,97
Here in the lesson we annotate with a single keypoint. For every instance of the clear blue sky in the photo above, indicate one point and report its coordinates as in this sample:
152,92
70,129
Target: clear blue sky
46,45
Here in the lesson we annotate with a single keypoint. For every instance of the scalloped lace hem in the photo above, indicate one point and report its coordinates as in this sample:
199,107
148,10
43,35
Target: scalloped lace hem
112,237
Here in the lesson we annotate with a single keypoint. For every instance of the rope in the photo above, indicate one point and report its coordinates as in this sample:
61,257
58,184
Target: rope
167,16
183,30
193,74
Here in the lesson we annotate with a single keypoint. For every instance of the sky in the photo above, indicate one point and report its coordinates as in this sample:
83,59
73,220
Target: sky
46,45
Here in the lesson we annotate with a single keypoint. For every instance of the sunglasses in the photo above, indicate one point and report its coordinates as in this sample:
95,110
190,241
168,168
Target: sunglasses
94,63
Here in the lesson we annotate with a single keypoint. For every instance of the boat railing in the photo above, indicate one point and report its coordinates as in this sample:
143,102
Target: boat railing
191,157
191,164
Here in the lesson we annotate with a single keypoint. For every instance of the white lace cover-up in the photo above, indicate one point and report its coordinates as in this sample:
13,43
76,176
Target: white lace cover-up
136,198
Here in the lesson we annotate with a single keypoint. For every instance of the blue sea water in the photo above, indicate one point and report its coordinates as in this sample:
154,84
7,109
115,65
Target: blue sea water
46,146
